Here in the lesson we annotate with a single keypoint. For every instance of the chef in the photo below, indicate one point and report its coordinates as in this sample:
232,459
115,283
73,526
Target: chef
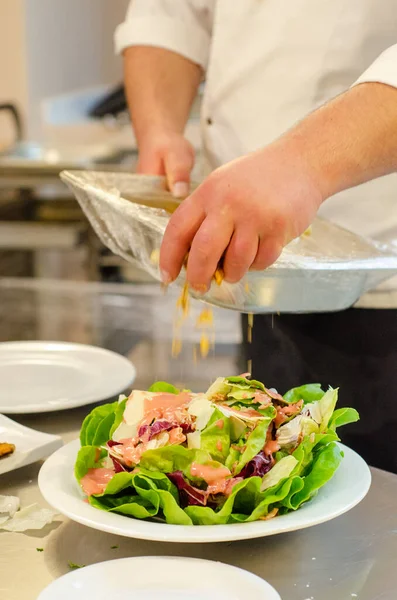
299,117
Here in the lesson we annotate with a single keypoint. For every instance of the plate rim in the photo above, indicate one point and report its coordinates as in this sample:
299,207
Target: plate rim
140,529
58,346
267,587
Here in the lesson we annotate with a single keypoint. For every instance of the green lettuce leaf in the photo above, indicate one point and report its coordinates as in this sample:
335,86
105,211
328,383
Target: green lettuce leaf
322,410
131,505
320,472
234,455
281,470
245,383
102,432
163,386
234,387
343,416
246,502
254,443
118,416
215,440
88,457
93,430
309,447
146,495
245,396
173,458
309,393
219,387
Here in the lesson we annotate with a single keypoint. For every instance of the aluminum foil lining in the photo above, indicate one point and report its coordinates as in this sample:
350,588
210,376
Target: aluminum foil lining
325,271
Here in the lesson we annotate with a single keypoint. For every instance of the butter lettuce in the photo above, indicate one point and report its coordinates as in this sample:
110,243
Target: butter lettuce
97,425
169,459
254,443
343,416
281,470
311,392
321,410
215,437
88,457
147,494
164,387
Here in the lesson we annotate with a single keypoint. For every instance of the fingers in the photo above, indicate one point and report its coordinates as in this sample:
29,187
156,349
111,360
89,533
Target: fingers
172,157
150,164
178,164
240,254
178,237
208,247
269,250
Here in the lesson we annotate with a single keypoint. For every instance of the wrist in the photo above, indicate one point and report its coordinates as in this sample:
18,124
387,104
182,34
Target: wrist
315,161
299,170
154,134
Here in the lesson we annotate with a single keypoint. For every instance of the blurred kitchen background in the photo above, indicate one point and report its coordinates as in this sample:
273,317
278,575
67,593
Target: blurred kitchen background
62,105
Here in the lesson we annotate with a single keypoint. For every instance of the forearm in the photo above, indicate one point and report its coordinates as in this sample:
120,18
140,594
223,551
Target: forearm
161,86
349,141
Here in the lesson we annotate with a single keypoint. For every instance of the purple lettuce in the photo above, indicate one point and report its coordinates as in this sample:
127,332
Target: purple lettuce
118,466
111,443
155,429
188,494
257,467
186,428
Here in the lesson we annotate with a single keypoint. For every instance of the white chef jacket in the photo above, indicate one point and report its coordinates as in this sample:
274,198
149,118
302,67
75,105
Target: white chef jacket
268,63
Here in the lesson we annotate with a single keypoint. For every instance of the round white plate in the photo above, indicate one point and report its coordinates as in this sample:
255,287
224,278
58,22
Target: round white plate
159,578
58,486
48,376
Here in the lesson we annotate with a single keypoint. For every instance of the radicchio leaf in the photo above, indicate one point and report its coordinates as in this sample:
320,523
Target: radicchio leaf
118,466
188,494
258,466
155,429
111,443
186,428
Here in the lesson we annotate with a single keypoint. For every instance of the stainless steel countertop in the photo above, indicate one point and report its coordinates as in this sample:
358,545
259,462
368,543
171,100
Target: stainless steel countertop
350,557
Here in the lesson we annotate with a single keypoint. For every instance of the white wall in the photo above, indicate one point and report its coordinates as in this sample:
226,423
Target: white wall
13,84
69,46
56,46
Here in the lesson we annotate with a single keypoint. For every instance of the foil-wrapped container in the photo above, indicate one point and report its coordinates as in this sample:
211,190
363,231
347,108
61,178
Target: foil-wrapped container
326,270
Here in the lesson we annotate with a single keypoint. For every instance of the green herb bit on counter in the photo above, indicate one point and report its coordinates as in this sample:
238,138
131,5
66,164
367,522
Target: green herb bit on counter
73,565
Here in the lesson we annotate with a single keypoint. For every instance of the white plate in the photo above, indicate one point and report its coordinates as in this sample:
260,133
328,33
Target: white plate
30,445
159,578
48,376
58,486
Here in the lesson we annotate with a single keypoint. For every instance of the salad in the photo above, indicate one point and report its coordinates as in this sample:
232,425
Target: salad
239,452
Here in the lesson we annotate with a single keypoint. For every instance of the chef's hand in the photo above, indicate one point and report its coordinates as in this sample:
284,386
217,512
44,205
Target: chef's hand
245,212
169,154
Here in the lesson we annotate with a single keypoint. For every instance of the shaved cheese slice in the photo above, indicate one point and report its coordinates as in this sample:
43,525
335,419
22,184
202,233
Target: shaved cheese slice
202,409
28,518
194,440
125,432
135,407
8,505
